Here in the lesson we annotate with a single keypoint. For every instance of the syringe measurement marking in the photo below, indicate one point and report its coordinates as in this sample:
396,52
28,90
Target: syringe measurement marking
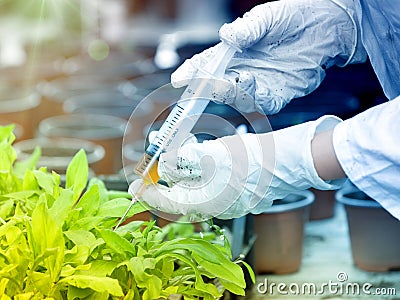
166,136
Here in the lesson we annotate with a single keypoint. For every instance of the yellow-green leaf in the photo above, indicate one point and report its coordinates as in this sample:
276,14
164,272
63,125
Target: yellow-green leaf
77,173
61,207
41,282
89,202
46,234
117,243
98,284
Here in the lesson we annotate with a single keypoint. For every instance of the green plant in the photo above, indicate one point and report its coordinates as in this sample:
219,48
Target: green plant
58,243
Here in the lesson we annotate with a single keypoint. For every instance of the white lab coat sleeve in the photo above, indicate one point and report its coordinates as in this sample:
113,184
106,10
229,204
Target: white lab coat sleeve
368,149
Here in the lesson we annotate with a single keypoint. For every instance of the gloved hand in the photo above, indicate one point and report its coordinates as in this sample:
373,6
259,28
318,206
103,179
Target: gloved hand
287,46
232,176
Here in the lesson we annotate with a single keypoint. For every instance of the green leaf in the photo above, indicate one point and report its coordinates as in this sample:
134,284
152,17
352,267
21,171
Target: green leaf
114,208
167,267
24,296
46,234
102,188
207,288
7,153
61,207
225,270
20,167
81,237
40,281
21,195
87,223
29,182
117,243
250,270
67,270
89,202
98,284
13,235
131,227
6,133
45,181
77,173
118,194
139,265
6,227
3,285
234,288
6,208
77,255
202,248
153,288
100,268
78,293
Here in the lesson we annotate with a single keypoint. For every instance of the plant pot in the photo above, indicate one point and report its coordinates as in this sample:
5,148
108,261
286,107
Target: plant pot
124,103
279,231
20,107
133,152
119,103
32,72
55,92
118,64
107,131
56,155
324,205
374,233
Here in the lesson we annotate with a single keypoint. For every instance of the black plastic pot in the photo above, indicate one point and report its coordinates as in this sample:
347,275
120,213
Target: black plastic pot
374,233
279,230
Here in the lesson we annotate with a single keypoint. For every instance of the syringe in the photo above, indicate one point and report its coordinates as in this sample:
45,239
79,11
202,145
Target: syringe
181,119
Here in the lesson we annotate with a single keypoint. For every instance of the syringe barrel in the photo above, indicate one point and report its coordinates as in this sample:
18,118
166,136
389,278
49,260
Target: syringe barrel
185,113
177,126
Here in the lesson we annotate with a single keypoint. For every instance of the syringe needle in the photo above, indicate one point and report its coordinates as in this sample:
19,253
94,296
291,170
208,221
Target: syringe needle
135,198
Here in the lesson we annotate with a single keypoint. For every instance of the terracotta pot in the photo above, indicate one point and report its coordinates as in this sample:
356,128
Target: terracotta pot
118,64
107,131
107,102
324,205
19,106
55,92
30,73
57,154
124,104
279,245
374,233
